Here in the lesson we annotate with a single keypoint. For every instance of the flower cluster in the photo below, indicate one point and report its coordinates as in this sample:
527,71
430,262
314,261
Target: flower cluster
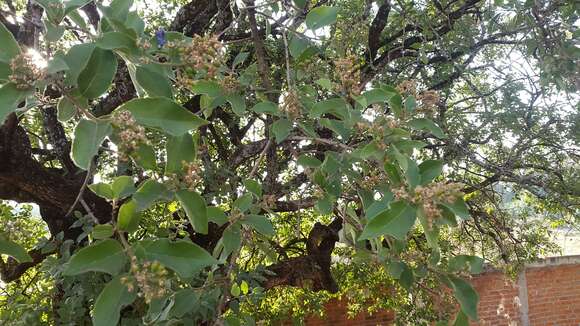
407,87
183,79
24,72
268,201
193,174
230,84
203,54
435,193
144,44
131,134
291,105
429,100
373,180
381,126
148,277
430,196
348,74
189,178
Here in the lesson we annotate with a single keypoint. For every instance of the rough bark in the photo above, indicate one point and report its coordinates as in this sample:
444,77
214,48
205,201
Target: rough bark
313,269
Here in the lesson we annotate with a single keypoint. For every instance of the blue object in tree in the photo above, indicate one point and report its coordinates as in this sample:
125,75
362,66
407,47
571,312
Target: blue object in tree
160,36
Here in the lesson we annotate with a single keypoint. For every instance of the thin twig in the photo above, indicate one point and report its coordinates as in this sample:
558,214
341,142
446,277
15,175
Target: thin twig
81,191
288,80
89,211
260,159
321,140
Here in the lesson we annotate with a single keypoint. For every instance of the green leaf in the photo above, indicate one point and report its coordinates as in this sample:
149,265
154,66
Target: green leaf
216,215
266,107
430,170
298,44
429,125
407,278
343,129
179,149
129,218
195,208
184,257
325,204
98,74
410,103
123,186
393,173
396,221
5,71
300,3
185,301
148,193
281,129
231,238
56,64
235,290
308,161
396,103
110,301
163,113
407,146
53,9
461,319
53,32
459,262
244,287
102,231
103,190
116,40
135,23
9,48
66,109
244,202
240,58
412,173
459,208
320,17
396,268
378,206
254,187
238,104
71,5
10,97
466,295
117,10
431,233
76,59
376,95
88,137
334,106
260,223
144,156
13,249
77,18
104,256
325,83
408,166
210,88
154,83
369,150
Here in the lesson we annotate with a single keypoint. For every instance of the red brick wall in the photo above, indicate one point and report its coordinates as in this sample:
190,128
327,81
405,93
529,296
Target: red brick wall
548,294
336,315
554,295
499,303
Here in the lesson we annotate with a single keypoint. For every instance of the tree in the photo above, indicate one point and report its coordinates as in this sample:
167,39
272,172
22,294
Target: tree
188,165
